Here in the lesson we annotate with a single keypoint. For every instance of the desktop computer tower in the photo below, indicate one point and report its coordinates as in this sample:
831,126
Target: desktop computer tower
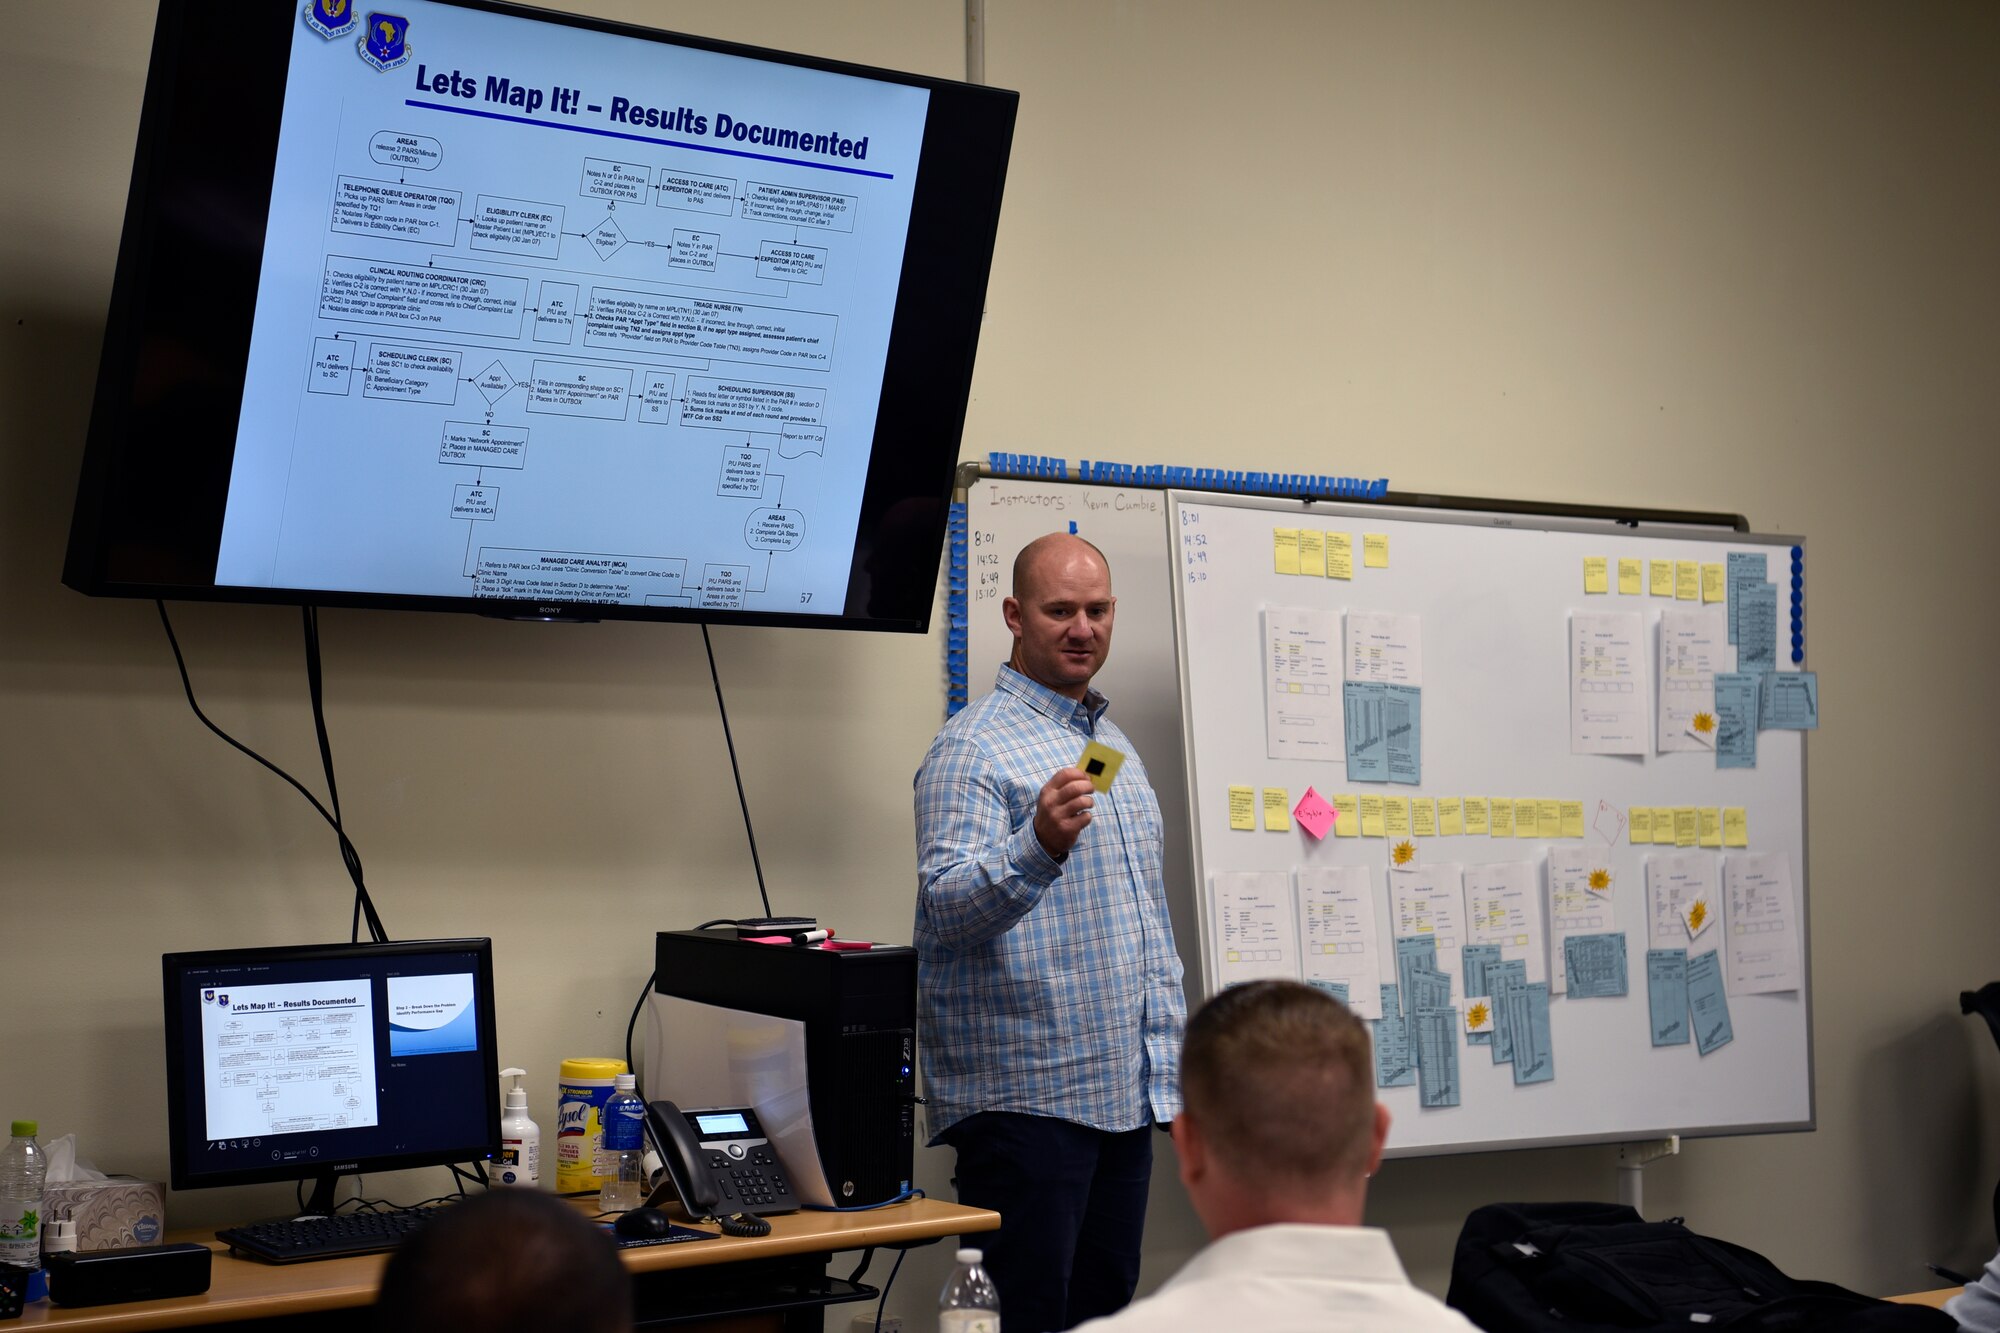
821,1043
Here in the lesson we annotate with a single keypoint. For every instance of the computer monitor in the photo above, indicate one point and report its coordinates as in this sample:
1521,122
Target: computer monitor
319,1061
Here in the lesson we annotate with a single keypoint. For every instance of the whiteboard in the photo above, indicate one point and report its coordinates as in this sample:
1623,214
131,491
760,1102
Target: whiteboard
1495,593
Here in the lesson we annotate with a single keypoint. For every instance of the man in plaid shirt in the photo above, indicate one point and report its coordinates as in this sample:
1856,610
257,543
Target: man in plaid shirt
1050,1002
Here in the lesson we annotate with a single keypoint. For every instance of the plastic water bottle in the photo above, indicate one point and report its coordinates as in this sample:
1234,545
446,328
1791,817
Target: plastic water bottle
24,1167
625,1149
969,1303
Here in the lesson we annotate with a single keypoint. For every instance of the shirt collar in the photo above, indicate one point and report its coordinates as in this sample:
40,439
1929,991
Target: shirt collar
1044,700
1290,1249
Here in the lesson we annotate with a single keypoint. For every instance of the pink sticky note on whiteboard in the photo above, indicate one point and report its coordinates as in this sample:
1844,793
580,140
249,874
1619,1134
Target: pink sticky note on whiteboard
1315,816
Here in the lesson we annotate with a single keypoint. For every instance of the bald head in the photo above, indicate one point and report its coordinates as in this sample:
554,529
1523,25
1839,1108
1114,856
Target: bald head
1050,552
1060,613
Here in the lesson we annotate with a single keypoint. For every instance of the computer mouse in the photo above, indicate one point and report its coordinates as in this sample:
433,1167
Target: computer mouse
643,1223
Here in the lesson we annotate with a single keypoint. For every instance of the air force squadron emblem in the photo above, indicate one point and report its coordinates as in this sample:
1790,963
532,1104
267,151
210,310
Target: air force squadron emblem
330,18
386,43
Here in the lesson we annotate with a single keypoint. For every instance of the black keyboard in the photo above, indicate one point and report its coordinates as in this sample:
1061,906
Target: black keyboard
293,1240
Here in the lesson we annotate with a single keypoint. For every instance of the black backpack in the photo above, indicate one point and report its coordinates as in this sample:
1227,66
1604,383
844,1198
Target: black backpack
1601,1268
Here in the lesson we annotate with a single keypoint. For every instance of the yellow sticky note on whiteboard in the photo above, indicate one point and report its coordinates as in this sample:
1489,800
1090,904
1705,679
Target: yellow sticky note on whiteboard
1348,823
1711,583
1687,826
1660,578
1371,816
1375,550
1340,555
1396,816
1476,814
1548,818
1641,826
1687,580
1711,827
1502,825
1285,550
1451,816
1572,819
1312,552
1277,810
1596,574
1629,580
1423,817
1243,809
1735,826
1663,825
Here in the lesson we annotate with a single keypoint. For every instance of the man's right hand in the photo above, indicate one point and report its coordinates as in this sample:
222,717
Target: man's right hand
1062,809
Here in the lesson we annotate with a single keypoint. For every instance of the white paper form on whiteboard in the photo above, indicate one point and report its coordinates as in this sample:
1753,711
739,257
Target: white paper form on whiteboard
1302,684
1501,908
1607,683
1763,924
1385,649
1675,882
1694,645
1337,935
1574,907
1251,922
1429,901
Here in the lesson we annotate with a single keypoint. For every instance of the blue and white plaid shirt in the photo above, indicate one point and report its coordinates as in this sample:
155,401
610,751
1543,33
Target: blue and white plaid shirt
1046,987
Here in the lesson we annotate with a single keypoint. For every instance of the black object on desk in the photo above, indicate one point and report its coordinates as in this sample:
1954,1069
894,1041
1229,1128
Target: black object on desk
296,1239
134,1273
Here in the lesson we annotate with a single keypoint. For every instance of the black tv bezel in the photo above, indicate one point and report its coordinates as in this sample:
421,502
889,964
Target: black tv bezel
148,515
174,966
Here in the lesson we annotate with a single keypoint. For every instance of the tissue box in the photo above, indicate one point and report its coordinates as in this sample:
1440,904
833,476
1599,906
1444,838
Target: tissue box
120,1211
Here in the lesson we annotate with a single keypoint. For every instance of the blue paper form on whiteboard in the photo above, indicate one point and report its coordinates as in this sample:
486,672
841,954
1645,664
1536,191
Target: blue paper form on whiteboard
1385,730
1667,995
1395,1066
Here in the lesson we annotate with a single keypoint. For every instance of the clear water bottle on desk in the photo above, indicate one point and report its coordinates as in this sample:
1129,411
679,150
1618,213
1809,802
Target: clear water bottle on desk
624,1149
969,1302
24,1169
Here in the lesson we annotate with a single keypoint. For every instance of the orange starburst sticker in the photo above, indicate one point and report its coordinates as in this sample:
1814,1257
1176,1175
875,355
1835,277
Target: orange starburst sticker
1697,915
1600,879
1477,1015
1403,853
1704,722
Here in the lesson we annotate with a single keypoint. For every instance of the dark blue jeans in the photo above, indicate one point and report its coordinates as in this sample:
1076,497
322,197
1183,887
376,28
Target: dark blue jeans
1072,1205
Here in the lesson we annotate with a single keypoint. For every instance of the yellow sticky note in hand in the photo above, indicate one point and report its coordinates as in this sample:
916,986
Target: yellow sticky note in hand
1596,574
1340,555
1629,581
1711,583
1660,578
1641,827
1277,810
1100,763
1375,550
1243,809
1735,826
1348,825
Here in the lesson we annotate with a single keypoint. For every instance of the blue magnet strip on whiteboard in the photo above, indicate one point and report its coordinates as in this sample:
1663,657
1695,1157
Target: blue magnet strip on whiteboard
955,695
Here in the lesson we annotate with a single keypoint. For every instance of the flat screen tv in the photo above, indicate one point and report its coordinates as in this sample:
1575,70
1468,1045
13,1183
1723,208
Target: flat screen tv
314,1062
467,306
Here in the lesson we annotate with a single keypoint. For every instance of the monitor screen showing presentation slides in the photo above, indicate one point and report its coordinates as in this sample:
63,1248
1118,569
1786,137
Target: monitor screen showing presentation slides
464,306
315,1062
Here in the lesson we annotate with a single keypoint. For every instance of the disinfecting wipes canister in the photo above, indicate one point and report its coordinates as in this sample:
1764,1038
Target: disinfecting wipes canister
584,1087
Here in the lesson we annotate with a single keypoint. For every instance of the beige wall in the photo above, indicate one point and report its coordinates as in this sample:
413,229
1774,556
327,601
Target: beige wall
1693,255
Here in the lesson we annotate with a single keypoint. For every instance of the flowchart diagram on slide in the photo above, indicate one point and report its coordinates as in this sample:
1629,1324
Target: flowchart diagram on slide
643,335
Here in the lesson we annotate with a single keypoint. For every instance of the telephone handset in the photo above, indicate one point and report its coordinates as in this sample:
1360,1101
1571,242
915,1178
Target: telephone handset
722,1165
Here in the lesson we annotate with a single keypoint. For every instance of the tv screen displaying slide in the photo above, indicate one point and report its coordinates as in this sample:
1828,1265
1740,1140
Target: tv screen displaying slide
474,307
312,1062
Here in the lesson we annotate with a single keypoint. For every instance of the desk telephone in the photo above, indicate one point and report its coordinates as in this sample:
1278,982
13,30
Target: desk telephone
722,1164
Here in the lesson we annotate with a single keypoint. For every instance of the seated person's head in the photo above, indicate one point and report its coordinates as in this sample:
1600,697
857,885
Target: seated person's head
1280,1122
509,1259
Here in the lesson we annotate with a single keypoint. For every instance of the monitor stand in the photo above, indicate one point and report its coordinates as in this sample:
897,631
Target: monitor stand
320,1202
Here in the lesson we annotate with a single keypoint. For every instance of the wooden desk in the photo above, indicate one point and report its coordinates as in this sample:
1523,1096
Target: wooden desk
671,1280
1934,1299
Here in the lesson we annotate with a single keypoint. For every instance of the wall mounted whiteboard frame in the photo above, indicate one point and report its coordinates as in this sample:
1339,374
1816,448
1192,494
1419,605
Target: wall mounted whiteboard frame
1505,582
